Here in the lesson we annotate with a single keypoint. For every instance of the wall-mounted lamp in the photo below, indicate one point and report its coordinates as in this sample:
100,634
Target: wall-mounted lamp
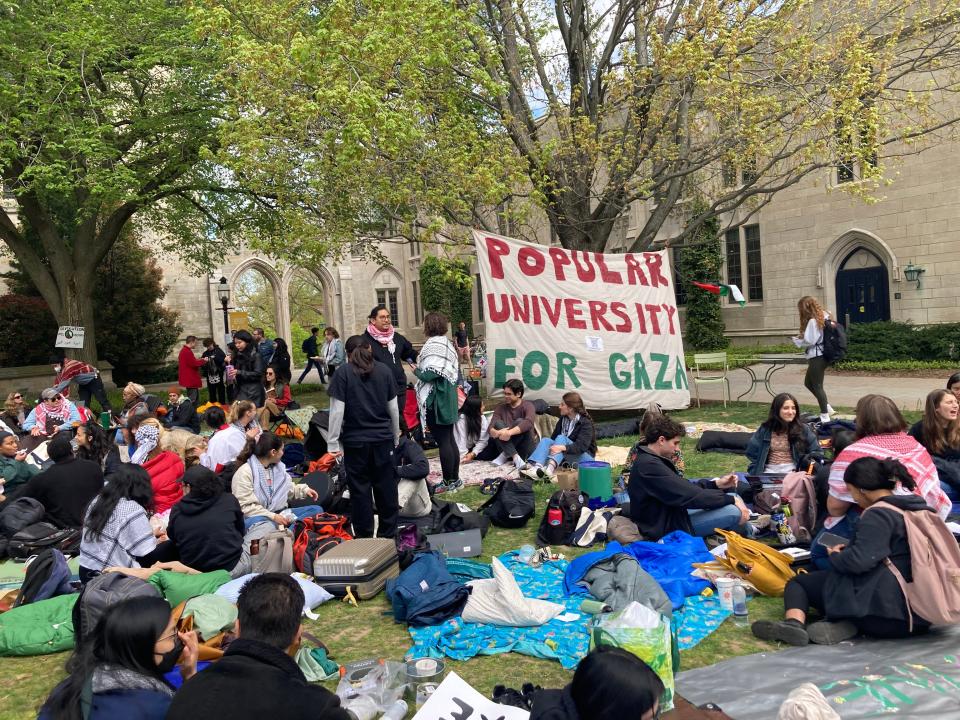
913,272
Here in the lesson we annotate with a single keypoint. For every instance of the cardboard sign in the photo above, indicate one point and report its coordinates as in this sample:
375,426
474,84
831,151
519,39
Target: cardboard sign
454,699
69,336
603,325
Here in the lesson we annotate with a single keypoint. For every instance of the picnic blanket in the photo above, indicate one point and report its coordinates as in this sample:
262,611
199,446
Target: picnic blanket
472,473
566,642
697,619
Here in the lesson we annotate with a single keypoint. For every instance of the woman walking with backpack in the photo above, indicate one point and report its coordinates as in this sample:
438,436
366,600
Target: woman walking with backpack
860,593
364,415
810,340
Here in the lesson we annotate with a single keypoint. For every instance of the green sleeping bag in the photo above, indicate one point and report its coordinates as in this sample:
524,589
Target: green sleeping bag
177,587
39,628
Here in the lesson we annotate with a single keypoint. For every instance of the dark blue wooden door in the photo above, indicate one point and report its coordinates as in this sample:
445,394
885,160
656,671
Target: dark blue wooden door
863,294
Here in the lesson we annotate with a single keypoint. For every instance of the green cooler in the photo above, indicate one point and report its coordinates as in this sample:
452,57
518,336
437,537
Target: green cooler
595,479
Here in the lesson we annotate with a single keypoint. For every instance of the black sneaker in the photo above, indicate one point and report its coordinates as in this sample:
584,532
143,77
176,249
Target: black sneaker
790,632
831,633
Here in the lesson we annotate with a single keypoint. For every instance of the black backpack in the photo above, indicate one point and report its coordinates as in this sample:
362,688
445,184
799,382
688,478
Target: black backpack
834,343
40,536
20,513
512,505
569,503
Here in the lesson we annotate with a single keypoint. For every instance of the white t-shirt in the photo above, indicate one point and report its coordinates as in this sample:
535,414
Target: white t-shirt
812,340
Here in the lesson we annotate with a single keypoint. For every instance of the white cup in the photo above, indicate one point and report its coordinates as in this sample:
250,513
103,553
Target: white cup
725,592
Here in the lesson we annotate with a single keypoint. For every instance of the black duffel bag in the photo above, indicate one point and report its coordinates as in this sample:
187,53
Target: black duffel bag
19,514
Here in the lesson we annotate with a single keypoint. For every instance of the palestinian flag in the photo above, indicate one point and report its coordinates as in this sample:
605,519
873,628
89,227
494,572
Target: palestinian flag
731,290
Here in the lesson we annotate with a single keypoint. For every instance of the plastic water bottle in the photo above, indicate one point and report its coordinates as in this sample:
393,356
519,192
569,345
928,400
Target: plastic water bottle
741,615
397,711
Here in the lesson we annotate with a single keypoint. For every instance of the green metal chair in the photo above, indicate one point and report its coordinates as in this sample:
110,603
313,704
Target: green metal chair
712,362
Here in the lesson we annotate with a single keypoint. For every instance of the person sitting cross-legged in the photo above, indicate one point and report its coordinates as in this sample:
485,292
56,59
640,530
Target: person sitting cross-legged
512,428
859,593
662,501
257,677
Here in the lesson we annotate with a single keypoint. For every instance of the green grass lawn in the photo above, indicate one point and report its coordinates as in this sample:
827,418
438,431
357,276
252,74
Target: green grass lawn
369,630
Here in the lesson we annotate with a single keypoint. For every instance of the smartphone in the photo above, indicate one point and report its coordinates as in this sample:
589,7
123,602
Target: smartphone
829,540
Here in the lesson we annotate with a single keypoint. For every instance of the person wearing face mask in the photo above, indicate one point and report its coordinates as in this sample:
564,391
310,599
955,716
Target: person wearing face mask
264,488
117,673
257,676
53,414
14,470
87,378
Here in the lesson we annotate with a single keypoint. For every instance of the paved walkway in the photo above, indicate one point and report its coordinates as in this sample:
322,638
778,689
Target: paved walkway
842,390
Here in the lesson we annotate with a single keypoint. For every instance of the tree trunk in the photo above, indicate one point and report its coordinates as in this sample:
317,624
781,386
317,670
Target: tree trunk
76,308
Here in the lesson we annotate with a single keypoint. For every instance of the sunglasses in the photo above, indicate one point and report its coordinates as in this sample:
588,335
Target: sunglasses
18,397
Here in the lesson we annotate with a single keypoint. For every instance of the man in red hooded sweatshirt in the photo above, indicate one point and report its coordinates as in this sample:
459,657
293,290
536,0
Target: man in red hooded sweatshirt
189,369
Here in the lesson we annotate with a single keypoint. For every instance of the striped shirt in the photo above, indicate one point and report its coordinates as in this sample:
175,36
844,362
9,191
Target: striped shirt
127,535
897,446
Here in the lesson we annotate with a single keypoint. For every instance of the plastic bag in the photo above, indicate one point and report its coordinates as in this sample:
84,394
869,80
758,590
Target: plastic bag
645,633
370,693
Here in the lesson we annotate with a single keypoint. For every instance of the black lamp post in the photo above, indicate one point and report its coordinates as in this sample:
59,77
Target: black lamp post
223,292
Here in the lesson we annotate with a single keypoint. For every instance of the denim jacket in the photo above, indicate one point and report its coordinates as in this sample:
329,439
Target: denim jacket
758,449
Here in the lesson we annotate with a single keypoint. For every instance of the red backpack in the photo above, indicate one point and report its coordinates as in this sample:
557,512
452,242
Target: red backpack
934,593
313,536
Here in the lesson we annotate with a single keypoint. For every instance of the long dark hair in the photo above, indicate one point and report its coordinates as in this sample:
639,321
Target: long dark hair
869,473
125,635
775,424
261,447
129,481
360,355
247,338
472,411
613,684
936,437
99,444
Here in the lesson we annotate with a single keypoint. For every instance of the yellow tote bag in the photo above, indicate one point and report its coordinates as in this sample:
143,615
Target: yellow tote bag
762,566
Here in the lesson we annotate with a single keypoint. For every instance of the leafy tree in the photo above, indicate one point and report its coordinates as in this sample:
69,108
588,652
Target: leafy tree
445,287
133,326
109,111
701,259
618,102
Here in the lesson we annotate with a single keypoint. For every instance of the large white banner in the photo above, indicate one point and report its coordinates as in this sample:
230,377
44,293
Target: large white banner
561,320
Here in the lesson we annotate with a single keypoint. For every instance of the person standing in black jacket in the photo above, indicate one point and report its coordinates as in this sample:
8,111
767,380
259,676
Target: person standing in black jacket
311,349
216,360
662,501
390,347
249,366
206,526
66,487
859,593
257,678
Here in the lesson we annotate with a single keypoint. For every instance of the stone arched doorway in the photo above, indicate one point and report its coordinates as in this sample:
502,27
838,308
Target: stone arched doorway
855,272
863,288
255,289
310,303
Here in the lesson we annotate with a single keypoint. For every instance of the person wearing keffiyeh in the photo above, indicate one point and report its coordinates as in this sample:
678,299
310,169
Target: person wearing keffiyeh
437,373
389,347
52,414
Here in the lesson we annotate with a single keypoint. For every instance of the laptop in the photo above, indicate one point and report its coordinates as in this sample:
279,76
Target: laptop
464,544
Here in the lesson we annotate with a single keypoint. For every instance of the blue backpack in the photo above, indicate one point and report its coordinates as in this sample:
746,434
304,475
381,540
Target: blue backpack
426,593
48,575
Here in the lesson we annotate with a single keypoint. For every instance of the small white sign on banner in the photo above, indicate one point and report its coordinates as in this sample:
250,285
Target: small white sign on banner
69,336
454,699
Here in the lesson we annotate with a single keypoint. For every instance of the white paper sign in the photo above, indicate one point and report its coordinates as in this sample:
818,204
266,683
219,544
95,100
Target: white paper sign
69,337
605,325
454,699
